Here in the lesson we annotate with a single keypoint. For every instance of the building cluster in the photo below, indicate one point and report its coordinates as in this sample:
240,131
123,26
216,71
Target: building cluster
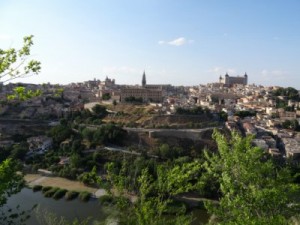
231,95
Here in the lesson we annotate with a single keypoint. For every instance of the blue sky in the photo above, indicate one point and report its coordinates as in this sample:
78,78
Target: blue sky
179,42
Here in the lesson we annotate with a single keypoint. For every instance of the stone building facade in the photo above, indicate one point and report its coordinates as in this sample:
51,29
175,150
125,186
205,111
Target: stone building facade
230,80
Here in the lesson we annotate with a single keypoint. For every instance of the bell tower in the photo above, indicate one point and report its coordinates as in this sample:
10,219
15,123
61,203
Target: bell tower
144,79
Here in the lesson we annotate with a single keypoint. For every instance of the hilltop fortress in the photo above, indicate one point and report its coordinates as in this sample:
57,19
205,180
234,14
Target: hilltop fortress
230,80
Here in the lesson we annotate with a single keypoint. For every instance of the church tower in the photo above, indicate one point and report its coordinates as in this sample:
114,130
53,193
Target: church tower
144,79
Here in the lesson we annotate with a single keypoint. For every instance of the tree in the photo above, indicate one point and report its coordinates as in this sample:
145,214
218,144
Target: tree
291,124
90,178
253,190
20,93
10,183
100,111
60,133
106,96
15,63
155,191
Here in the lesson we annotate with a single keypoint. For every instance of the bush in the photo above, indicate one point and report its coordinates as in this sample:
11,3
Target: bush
59,193
37,188
84,196
51,192
175,207
106,199
46,188
70,195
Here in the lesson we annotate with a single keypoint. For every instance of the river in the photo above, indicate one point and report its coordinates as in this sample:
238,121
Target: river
71,209
68,209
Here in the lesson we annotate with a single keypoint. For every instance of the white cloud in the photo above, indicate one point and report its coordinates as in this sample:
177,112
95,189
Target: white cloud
177,42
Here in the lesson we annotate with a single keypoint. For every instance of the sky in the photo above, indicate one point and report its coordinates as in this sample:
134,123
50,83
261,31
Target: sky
178,42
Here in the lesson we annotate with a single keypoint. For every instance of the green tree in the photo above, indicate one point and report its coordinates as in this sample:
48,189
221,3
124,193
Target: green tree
11,183
291,124
60,133
15,63
20,93
253,190
100,111
19,151
90,178
106,96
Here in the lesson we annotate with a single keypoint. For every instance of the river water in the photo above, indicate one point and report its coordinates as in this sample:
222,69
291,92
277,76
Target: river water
72,209
68,209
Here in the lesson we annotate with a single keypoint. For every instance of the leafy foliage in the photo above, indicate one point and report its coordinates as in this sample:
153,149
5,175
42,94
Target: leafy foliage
22,94
15,63
100,111
90,178
244,114
253,189
289,92
10,183
192,111
133,99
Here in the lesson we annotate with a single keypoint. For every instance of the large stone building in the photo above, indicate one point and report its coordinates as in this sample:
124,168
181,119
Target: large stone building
230,80
148,93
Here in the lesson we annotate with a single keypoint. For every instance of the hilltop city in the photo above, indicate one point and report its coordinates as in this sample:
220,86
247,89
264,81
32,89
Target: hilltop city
100,139
271,114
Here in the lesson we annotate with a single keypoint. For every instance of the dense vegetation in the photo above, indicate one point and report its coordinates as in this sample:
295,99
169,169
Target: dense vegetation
289,92
192,111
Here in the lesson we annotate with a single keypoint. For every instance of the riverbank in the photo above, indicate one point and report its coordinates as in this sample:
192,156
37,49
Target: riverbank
63,183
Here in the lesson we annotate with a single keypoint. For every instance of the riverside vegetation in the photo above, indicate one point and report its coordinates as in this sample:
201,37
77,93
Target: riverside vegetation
237,184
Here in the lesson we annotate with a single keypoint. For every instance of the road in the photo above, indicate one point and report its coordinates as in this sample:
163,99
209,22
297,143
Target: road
117,149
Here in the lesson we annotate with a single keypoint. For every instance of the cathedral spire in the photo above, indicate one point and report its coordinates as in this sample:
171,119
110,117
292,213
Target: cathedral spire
144,79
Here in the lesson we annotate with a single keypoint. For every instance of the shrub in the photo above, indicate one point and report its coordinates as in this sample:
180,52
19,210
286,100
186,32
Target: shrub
59,193
50,192
70,195
106,199
84,196
46,188
37,188
175,207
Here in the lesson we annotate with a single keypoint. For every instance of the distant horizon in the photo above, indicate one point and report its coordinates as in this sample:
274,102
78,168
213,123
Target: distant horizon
177,42
109,77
